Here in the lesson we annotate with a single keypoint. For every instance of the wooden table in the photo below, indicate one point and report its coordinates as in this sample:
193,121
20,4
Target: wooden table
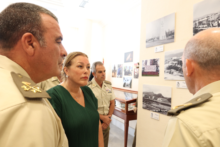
125,114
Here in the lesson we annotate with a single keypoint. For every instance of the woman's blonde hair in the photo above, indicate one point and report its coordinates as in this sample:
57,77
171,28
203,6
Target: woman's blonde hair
68,62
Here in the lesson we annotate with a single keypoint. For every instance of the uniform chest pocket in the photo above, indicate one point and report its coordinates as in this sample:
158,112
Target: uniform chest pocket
109,96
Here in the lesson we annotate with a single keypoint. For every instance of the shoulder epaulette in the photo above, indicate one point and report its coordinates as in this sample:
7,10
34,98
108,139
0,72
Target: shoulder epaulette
54,79
192,103
27,87
107,82
89,83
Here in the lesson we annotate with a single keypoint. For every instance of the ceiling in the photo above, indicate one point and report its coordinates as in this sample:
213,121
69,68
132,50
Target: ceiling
103,11
100,10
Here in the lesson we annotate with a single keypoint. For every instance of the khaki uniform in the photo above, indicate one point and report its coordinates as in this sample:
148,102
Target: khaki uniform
49,83
198,125
27,118
104,95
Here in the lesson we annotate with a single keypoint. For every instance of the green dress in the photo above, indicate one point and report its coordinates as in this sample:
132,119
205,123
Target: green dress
80,123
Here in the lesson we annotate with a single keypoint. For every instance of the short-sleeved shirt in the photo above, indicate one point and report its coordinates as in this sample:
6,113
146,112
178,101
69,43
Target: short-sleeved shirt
80,123
104,95
198,126
49,83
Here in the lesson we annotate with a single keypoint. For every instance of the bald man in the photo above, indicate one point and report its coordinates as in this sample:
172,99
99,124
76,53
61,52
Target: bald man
197,122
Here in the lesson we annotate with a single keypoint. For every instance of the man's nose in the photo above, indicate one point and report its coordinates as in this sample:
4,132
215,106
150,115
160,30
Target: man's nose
63,52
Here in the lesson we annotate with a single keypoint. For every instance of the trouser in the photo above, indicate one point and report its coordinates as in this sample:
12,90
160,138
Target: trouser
106,136
134,141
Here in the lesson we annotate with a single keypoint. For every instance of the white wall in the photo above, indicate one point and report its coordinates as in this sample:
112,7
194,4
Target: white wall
72,28
122,35
151,132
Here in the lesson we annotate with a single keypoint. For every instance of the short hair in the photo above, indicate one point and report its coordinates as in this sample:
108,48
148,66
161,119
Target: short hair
20,18
206,52
94,66
68,62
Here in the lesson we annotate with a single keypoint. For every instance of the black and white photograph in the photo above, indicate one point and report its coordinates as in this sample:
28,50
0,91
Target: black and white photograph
128,70
128,57
119,70
150,67
161,31
173,65
127,82
114,70
206,14
157,98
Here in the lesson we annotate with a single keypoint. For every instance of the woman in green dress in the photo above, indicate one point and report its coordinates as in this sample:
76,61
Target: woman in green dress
76,104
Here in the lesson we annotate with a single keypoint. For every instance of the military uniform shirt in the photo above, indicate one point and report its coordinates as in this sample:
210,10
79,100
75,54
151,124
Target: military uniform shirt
49,83
104,95
198,126
26,121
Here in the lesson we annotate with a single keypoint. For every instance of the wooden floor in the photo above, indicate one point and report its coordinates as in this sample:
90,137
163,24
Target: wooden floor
116,137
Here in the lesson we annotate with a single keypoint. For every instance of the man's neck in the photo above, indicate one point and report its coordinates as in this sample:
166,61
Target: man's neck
204,80
99,82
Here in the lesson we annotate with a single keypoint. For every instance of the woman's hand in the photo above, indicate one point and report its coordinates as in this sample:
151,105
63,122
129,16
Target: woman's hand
104,126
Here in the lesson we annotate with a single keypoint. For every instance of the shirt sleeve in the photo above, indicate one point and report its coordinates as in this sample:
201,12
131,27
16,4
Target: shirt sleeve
55,101
178,134
113,95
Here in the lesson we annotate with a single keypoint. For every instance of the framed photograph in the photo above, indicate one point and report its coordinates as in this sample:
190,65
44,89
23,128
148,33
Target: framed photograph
119,70
157,98
127,82
150,67
114,70
128,70
161,31
128,57
173,65
206,14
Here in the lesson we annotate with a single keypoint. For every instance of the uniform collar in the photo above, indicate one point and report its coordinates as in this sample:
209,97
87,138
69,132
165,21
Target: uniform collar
96,84
55,79
210,88
10,65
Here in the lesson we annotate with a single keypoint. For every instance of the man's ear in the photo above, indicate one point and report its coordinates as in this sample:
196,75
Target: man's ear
93,74
29,43
189,67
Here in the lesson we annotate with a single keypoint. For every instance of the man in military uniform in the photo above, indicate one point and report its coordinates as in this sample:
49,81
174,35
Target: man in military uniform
49,83
106,99
196,123
30,52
